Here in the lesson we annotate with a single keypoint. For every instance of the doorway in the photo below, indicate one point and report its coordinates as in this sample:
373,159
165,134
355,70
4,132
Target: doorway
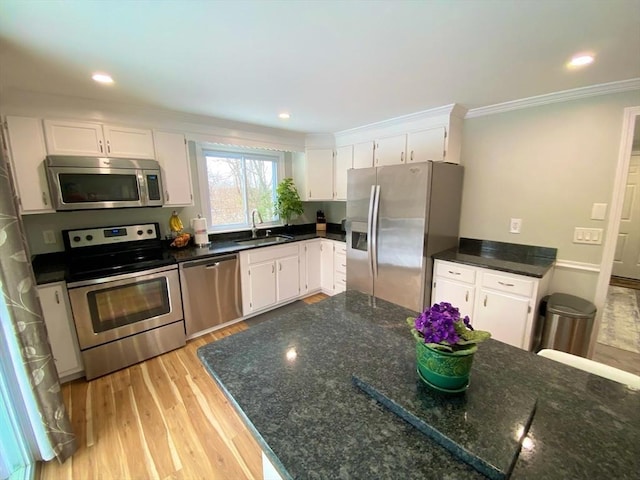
616,337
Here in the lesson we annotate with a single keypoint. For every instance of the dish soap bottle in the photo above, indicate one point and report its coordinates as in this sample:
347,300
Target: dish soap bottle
175,224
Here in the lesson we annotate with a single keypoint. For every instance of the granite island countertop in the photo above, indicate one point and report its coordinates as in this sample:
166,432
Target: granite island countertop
528,260
292,380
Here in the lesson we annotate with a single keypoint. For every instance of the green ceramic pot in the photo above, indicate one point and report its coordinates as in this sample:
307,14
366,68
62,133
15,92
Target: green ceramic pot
443,370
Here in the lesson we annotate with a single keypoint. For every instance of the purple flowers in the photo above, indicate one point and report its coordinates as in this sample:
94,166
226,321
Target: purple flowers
442,327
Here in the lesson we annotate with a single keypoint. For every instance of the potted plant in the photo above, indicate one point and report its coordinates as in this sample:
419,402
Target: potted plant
288,201
445,344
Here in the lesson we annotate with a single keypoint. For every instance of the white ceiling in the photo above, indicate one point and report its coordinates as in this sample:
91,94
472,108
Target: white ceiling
334,65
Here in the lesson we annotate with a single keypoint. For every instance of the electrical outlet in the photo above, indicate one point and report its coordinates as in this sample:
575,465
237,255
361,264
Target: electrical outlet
515,225
49,237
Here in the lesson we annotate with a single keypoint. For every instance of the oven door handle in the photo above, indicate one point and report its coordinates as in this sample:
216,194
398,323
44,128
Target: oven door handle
124,276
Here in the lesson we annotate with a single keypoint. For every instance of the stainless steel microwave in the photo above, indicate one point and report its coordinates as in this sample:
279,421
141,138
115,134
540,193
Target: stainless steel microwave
82,183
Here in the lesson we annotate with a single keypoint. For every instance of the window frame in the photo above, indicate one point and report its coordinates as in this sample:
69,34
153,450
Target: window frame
203,183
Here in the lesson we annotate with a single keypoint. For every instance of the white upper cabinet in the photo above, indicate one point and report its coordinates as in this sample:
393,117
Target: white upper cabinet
390,150
363,155
74,138
425,145
313,174
127,142
171,153
93,139
27,149
434,135
343,162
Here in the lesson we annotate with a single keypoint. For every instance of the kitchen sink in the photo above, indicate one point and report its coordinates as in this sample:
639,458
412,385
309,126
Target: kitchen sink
254,242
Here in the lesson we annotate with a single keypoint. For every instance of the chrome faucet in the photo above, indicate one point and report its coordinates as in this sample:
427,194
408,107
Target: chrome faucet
254,230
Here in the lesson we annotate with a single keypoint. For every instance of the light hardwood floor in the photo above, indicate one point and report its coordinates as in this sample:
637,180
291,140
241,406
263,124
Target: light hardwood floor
162,418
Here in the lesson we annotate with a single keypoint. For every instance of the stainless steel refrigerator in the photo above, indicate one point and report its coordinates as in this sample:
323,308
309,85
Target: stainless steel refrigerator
397,217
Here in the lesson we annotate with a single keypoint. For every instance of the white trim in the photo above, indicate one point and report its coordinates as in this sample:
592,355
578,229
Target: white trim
556,97
571,265
631,116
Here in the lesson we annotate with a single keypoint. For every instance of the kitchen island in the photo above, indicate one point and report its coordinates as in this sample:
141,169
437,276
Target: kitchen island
295,381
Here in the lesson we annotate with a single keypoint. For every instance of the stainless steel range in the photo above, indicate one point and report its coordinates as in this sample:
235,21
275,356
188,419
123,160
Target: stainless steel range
125,295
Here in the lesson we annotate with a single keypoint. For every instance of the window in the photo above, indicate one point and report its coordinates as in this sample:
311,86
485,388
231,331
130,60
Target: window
237,182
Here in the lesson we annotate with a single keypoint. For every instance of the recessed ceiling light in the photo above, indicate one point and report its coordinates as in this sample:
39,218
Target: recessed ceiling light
284,115
102,78
581,60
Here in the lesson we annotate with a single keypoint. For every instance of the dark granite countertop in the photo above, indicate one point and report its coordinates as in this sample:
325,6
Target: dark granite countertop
294,380
52,267
528,260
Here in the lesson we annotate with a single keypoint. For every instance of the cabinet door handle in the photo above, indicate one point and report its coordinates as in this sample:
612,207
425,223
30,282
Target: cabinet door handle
57,298
506,284
100,145
466,296
412,155
166,194
273,269
44,198
485,300
453,273
279,267
401,157
108,147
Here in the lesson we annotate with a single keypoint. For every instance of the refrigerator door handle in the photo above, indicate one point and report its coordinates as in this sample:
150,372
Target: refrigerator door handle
372,197
374,230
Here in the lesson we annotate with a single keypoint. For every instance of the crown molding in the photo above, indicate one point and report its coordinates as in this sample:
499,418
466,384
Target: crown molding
556,97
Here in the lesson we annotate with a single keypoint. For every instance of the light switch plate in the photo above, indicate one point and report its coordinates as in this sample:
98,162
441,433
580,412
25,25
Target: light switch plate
49,237
591,236
599,211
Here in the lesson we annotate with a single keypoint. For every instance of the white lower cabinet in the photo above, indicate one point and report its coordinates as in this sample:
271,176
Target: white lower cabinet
61,329
339,267
326,266
310,272
272,276
502,303
333,263
269,276
505,316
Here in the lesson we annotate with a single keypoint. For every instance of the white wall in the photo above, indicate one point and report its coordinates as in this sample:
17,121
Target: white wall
546,165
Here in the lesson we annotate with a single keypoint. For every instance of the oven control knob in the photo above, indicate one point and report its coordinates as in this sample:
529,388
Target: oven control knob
140,232
76,238
149,232
89,238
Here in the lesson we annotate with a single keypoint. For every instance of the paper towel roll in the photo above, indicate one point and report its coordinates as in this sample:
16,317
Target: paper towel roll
199,226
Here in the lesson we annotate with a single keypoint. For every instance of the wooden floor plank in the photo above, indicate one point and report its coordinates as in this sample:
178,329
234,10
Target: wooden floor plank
162,418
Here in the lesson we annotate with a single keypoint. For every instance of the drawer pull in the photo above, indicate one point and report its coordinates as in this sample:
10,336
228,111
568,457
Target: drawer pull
466,296
454,273
485,300
506,284
57,298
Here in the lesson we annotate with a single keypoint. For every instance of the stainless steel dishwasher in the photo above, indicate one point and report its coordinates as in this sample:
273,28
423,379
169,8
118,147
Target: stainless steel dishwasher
211,292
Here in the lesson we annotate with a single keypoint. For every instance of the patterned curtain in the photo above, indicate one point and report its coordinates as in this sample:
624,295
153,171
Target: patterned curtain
18,287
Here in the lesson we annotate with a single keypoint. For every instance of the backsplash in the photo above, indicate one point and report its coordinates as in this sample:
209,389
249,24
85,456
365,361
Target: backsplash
35,225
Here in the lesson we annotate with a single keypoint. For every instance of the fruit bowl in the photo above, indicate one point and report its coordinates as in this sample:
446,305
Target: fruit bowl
181,241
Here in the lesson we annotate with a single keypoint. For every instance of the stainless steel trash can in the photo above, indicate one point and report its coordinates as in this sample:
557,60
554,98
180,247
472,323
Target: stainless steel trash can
568,324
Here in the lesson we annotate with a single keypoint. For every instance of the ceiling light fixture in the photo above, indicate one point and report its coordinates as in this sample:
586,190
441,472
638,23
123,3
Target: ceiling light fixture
284,116
102,78
581,60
